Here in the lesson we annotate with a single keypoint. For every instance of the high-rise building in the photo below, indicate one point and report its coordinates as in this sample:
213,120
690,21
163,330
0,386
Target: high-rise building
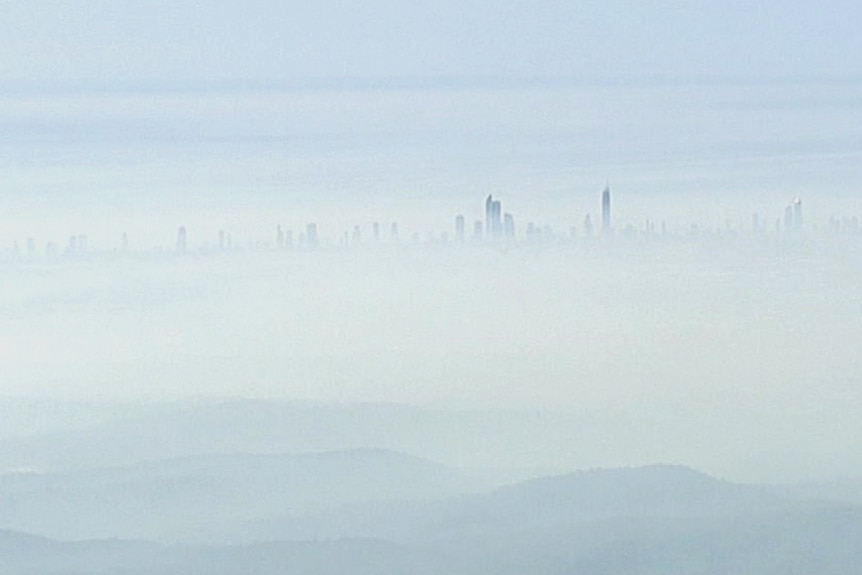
489,207
588,226
509,226
606,210
460,228
496,219
797,215
493,217
279,237
375,231
788,220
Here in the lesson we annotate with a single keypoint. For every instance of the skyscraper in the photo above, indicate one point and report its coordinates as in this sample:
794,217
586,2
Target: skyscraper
489,207
509,226
789,228
181,240
459,228
493,217
606,210
797,215
496,219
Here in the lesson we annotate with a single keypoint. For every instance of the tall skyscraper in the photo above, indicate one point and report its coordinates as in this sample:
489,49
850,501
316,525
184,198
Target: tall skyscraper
489,207
797,215
493,217
606,210
460,228
279,237
496,219
509,226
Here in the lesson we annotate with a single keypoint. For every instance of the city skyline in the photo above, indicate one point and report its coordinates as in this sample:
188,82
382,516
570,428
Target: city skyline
494,227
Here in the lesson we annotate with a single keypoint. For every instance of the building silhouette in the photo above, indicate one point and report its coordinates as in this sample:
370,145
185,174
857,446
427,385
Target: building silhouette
489,206
493,217
509,226
460,228
606,210
789,227
797,215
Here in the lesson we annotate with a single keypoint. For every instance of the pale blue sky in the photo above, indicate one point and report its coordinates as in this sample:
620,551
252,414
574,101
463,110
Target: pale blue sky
154,42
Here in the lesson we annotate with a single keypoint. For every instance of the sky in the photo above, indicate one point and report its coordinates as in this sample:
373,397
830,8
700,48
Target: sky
159,43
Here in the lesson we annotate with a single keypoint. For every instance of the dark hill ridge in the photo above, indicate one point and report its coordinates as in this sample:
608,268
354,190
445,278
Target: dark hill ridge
353,556
126,434
662,490
183,429
201,497
664,520
542,505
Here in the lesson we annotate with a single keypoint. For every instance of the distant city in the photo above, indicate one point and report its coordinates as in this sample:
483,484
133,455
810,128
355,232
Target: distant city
498,227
